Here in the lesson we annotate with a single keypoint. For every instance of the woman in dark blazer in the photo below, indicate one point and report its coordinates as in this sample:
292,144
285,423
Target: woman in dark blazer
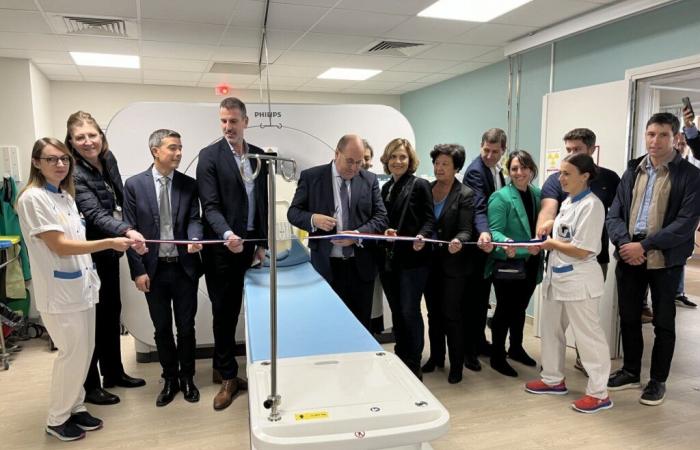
513,212
409,205
99,196
454,211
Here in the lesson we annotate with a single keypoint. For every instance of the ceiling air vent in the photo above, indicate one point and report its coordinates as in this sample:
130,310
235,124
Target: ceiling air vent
395,48
96,26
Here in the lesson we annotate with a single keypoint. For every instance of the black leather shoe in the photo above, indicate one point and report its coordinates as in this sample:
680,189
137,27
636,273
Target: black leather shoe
501,366
189,390
430,366
170,389
455,375
99,396
519,354
124,381
472,363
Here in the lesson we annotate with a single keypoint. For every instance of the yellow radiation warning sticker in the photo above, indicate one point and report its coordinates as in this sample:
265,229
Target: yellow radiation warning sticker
311,415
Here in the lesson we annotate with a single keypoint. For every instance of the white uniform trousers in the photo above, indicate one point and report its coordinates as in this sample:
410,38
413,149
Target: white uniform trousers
584,319
74,335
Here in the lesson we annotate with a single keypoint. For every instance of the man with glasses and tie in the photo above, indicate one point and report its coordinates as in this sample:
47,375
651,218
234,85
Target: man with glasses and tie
341,197
162,204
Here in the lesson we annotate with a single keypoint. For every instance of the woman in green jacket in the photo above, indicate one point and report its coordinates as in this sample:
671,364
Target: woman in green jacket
515,271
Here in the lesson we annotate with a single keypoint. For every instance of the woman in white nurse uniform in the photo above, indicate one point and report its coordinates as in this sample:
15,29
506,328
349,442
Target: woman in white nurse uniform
65,282
573,287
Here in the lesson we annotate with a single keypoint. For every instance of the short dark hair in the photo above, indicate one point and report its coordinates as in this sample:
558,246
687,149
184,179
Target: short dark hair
581,134
584,164
233,103
525,159
666,118
368,147
454,151
156,138
494,136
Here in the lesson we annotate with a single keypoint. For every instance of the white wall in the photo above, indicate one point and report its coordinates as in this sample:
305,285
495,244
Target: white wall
104,100
16,114
41,102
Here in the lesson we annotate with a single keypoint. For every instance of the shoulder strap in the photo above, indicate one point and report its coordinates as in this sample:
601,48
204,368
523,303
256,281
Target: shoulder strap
405,205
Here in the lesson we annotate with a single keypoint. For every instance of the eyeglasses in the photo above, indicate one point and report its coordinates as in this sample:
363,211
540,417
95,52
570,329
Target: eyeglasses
53,160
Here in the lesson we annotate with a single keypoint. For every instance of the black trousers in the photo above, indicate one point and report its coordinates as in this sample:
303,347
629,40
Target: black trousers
444,299
632,282
476,307
108,311
172,290
512,298
224,272
352,290
404,290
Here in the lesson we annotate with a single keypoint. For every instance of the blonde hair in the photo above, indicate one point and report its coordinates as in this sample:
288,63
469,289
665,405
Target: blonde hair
80,118
37,179
395,145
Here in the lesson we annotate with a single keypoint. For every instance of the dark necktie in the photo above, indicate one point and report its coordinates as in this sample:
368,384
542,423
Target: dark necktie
166,219
345,210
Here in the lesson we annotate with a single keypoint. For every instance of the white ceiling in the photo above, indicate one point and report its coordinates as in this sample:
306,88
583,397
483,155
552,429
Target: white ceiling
179,40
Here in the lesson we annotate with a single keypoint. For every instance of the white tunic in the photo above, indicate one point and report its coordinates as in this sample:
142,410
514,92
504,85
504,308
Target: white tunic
580,222
62,284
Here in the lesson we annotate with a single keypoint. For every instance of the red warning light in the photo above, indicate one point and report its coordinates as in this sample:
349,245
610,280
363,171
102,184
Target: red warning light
222,89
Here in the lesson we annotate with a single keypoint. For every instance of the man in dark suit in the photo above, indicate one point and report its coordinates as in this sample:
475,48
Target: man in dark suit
162,203
484,176
341,197
234,210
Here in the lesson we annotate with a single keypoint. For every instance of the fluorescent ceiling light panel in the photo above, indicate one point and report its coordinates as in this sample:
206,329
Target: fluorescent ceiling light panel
338,73
470,10
105,60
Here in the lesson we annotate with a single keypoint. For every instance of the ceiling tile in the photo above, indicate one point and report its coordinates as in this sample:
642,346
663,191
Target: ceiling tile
334,43
59,69
295,71
183,65
398,76
248,13
435,78
378,85
493,34
64,77
423,65
322,3
408,87
294,58
101,45
372,61
18,4
330,84
108,79
38,56
209,11
463,68
491,57
400,7
541,13
429,30
171,75
457,52
172,50
110,72
110,8
365,91
358,22
252,37
284,81
23,22
31,41
283,16
239,54
233,79
170,82
191,33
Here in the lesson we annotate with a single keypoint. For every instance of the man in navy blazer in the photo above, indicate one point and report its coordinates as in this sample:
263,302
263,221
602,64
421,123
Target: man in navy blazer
162,203
484,177
336,197
234,210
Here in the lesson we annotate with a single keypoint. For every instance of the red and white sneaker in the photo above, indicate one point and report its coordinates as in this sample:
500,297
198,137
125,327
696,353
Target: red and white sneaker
540,387
589,405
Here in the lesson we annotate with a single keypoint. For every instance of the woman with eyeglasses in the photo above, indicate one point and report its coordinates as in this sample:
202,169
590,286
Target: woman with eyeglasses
99,196
64,279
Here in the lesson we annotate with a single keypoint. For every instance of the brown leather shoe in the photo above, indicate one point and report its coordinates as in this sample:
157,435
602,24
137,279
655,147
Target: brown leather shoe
229,389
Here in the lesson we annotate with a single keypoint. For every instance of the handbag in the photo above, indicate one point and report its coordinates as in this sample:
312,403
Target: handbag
509,269
389,249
